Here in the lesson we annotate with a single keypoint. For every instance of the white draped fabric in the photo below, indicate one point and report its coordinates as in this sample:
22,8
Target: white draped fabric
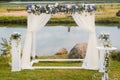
102,60
34,22
86,21
16,55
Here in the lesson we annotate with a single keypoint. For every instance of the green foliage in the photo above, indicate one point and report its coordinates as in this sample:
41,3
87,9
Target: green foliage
108,20
67,20
22,20
115,55
6,47
13,20
74,63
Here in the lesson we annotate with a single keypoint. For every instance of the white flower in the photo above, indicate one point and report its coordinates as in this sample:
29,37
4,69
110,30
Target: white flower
105,39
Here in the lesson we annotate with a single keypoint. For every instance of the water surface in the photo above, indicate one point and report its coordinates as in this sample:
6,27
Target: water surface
52,38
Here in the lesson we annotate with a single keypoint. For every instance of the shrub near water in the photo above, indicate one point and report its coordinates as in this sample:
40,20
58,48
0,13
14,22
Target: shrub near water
115,55
6,47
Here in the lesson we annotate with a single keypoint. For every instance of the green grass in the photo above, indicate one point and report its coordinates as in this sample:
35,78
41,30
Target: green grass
110,20
108,15
22,20
6,74
58,64
13,20
4,6
114,71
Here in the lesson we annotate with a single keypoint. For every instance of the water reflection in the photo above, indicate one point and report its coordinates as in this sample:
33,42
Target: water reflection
118,27
69,27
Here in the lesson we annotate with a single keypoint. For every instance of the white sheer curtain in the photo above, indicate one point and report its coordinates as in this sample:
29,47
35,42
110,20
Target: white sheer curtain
34,23
16,55
86,21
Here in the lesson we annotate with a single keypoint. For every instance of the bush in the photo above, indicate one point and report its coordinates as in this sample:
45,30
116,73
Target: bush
6,47
115,55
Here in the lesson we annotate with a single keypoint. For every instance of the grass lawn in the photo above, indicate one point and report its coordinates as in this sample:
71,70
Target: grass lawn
108,15
6,74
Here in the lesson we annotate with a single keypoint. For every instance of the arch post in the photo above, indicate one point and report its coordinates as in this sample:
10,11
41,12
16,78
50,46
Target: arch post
16,51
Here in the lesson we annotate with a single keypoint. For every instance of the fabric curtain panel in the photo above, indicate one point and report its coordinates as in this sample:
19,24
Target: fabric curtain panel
86,21
34,23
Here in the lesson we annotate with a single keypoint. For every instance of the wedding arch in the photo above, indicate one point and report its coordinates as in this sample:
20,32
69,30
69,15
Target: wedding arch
83,15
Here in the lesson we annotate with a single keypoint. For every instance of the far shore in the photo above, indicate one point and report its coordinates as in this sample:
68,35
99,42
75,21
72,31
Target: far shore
105,15
63,20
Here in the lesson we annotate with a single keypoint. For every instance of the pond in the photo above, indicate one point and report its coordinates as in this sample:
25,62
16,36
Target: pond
52,38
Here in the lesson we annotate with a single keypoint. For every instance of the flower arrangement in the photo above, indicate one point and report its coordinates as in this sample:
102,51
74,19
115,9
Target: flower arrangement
15,36
105,39
67,8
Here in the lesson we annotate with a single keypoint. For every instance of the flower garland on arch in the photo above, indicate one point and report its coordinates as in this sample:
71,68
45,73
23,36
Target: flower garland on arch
67,8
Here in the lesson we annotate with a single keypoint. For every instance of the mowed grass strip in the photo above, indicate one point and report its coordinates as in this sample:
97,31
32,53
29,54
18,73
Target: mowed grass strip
37,74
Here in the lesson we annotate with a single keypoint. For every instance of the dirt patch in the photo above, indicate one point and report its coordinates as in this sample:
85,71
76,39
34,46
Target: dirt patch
16,13
24,13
